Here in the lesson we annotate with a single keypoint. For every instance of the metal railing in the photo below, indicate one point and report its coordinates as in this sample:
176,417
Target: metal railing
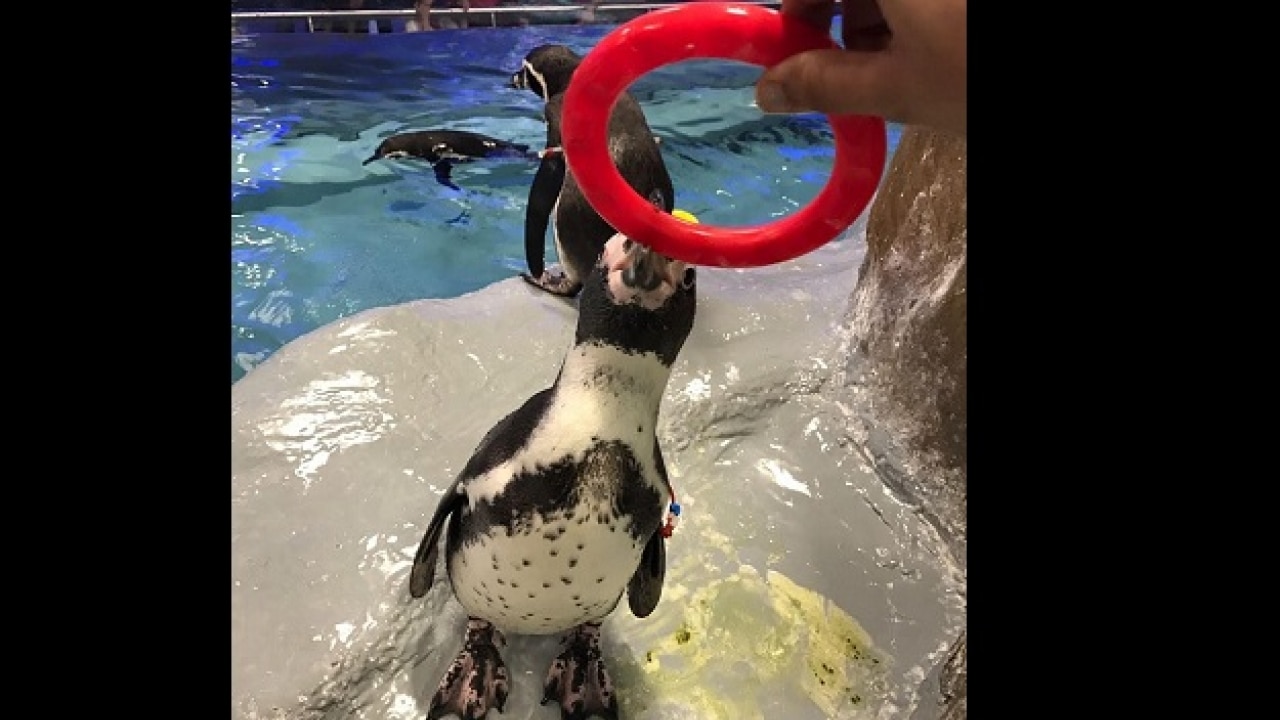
603,8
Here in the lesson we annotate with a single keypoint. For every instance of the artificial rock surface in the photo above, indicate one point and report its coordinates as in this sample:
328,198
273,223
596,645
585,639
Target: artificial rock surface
799,585
907,356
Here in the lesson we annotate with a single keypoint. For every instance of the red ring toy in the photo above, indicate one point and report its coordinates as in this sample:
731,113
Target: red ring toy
715,30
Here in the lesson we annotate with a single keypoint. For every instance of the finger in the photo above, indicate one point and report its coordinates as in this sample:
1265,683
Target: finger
863,26
832,82
861,13
815,12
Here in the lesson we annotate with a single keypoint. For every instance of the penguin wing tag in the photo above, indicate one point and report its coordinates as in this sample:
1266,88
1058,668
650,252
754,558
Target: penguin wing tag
424,562
645,586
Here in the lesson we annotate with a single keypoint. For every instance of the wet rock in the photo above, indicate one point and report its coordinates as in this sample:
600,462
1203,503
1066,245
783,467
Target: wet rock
824,599
955,681
907,321
908,348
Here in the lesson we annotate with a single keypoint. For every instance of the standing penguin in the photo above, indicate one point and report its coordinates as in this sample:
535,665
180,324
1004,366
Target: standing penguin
579,231
561,507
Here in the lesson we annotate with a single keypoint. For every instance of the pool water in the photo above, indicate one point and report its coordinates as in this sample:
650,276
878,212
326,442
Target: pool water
316,236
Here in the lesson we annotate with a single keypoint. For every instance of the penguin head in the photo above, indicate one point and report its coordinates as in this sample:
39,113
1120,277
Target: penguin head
380,152
638,300
639,275
546,70
635,274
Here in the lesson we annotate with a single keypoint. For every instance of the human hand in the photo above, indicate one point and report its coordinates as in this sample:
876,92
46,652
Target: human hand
903,60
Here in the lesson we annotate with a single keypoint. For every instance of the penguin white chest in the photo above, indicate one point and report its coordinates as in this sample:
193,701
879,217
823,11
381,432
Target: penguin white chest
567,268
552,536
554,572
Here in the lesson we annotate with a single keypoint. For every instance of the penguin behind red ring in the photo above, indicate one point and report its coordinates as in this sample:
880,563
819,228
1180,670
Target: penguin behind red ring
554,197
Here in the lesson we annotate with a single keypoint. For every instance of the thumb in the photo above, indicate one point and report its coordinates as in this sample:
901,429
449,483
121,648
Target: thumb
834,82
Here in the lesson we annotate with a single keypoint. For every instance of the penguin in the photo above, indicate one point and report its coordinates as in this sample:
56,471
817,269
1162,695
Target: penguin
556,198
566,503
443,148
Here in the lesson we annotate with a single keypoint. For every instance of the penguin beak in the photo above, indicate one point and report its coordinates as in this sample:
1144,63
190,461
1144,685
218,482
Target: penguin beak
647,269
378,152
517,81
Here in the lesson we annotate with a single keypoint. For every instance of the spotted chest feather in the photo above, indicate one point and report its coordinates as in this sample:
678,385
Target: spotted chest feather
558,545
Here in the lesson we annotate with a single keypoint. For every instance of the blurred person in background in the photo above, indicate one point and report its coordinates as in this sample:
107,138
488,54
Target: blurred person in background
421,21
588,13
486,19
351,25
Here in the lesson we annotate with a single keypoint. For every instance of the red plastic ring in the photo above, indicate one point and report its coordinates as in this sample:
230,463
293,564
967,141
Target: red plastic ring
711,30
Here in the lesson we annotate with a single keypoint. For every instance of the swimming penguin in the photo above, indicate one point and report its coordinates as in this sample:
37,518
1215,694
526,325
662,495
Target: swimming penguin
555,197
561,508
443,148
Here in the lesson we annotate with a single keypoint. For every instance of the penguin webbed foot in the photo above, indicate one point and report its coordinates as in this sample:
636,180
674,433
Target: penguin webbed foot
554,283
477,680
578,679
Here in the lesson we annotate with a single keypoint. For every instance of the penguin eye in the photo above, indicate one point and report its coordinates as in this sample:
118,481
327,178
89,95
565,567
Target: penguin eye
689,277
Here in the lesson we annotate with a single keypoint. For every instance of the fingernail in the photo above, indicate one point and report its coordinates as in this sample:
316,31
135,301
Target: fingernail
770,97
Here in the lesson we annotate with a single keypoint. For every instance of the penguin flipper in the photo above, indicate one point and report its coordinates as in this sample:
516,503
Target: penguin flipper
537,212
444,170
424,562
645,586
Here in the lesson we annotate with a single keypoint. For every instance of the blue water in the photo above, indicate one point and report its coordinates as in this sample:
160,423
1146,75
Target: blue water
316,237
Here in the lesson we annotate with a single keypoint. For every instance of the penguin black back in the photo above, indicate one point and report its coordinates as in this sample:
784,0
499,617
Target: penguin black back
639,160
434,145
442,148
580,232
